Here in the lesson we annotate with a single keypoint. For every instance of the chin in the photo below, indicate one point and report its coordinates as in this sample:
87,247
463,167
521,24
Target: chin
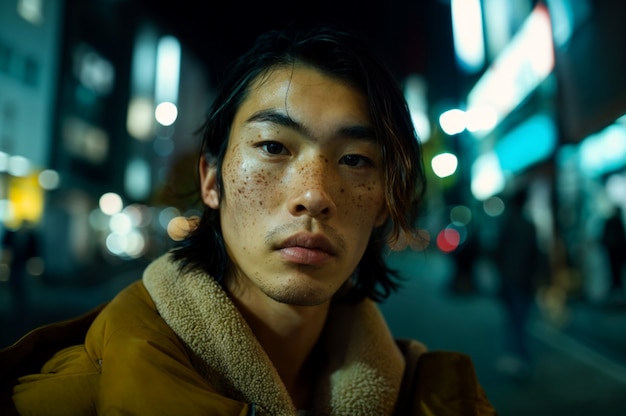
303,297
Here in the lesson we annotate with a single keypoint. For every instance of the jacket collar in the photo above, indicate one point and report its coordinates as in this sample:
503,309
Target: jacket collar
363,364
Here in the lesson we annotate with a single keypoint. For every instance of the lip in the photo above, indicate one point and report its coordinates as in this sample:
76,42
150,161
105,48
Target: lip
307,249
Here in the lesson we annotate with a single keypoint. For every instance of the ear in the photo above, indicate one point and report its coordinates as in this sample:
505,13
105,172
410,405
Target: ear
208,183
382,216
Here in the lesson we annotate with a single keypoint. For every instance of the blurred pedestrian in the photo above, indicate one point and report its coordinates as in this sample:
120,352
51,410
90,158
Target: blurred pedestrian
19,245
517,258
465,257
614,241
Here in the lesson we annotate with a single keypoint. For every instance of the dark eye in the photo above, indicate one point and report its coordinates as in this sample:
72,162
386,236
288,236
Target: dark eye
273,148
354,160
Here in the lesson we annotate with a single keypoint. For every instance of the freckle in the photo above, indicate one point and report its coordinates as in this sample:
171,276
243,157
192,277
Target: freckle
342,190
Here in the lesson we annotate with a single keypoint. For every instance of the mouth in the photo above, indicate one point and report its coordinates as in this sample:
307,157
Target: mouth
307,249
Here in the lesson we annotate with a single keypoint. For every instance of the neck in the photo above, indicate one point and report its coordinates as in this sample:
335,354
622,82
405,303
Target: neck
288,334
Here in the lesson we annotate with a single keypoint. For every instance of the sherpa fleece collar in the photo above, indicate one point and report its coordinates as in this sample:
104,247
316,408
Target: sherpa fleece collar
363,368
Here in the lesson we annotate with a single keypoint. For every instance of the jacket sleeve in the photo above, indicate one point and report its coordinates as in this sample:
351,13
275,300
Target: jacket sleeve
441,383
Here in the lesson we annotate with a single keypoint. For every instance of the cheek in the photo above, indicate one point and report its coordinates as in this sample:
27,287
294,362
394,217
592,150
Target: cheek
363,202
247,188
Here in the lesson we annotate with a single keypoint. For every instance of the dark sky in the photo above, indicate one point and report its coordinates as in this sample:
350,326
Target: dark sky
399,29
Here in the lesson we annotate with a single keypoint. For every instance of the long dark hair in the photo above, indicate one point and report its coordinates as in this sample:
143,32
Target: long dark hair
346,57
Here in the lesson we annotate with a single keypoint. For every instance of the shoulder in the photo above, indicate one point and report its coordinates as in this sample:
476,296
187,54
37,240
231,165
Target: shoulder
440,382
129,306
131,315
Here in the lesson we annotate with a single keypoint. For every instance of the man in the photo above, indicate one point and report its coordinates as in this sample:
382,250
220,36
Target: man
520,263
309,167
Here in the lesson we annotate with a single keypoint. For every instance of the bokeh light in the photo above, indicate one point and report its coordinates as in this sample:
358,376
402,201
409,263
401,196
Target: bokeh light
448,240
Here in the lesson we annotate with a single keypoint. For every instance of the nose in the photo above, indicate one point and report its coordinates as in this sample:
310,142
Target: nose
312,195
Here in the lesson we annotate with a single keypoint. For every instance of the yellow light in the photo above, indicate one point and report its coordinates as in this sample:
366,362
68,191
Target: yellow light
26,198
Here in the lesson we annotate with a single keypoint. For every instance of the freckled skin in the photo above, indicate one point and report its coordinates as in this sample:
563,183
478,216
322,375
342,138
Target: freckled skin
306,187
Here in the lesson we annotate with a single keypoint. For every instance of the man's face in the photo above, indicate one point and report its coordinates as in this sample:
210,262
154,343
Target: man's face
303,187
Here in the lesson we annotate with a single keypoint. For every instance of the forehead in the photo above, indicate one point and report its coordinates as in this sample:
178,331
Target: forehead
306,93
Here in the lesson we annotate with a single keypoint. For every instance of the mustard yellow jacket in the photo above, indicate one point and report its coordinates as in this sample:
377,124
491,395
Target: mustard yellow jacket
174,344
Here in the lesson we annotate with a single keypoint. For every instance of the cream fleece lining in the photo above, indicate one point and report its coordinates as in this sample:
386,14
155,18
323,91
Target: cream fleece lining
364,366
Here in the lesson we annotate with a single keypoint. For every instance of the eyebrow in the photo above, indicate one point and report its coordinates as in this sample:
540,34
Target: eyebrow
272,116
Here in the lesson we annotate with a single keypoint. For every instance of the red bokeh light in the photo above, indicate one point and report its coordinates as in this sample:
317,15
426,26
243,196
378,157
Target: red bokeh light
448,240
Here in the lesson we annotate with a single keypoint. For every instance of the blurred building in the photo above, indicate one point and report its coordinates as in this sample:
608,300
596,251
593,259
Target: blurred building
540,105
98,107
